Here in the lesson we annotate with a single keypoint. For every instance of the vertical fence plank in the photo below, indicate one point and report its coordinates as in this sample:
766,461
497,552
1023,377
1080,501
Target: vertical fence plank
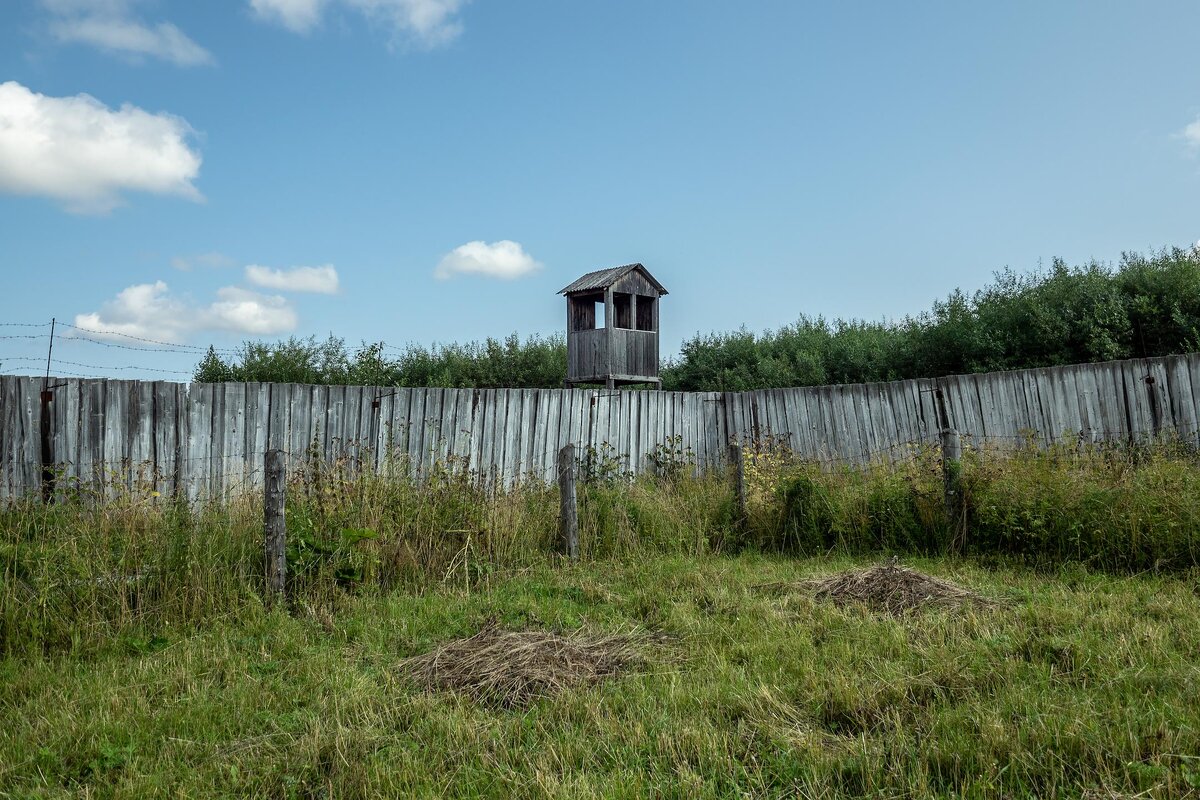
482,423
464,426
9,432
258,423
1183,401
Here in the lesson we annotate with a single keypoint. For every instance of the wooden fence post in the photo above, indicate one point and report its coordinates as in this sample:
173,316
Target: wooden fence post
47,446
738,463
275,523
568,519
952,480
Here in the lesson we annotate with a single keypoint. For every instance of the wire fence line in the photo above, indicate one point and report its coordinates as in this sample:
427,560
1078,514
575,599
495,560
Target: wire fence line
201,440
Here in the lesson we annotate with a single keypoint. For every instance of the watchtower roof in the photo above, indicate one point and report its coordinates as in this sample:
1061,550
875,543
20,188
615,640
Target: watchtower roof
603,278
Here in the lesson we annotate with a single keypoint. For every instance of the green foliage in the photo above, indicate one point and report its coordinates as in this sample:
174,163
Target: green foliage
509,363
1115,507
858,512
670,460
1146,306
292,361
1105,506
599,465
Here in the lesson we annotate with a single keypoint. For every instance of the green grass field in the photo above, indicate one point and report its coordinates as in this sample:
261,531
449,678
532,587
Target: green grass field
1081,685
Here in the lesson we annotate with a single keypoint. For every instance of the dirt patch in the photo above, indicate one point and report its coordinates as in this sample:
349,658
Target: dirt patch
893,589
514,668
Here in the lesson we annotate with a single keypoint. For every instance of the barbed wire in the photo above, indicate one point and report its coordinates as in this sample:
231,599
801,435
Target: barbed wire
162,345
40,360
133,347
194,347
128,367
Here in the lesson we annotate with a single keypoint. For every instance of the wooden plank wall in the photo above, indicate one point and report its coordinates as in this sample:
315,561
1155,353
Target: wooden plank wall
207,440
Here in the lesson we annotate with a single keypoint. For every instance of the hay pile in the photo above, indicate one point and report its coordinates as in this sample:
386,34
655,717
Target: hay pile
893,589
514,668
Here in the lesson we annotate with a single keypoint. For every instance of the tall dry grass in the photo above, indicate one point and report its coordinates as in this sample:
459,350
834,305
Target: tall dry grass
84,571
81,574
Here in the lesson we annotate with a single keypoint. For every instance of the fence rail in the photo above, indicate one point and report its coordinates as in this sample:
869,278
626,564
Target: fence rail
207,440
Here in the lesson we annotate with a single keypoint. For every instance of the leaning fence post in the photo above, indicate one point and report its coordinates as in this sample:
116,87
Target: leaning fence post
568,519
275,523
739,481
952,486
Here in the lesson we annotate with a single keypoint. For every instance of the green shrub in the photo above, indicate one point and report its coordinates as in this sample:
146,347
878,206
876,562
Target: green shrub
1113,507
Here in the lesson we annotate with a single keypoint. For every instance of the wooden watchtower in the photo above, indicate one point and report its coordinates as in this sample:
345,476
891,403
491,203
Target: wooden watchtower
624,349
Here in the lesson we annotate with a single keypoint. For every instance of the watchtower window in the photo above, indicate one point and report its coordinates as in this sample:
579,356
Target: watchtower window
645,313
622,310
587,312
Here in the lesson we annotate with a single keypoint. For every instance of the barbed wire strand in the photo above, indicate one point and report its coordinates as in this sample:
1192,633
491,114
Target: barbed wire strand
196,347
39,360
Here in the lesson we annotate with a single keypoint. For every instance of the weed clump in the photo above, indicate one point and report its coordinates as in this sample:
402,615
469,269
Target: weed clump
514,668
893,589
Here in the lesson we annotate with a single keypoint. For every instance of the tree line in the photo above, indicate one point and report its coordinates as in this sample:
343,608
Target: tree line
1145,305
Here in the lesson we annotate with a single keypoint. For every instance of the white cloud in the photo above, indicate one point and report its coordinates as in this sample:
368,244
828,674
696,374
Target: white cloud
79,151
110,25
146,310
300,16
150,311
244,311
321,280
503,259
428,22
1191,135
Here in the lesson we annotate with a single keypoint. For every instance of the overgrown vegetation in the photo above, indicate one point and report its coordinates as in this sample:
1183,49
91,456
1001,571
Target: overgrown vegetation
1112,506
138,658
81,572
1147,305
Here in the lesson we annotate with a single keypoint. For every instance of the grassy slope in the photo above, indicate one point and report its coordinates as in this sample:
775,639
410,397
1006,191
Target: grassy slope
1085,682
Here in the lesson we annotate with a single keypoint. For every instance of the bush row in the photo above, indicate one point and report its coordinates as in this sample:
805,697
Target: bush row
1143,306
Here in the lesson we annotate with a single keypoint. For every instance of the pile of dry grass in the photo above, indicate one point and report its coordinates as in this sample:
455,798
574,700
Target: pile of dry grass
514,668
893,589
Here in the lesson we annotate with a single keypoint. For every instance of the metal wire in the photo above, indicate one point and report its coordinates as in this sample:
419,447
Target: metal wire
196,347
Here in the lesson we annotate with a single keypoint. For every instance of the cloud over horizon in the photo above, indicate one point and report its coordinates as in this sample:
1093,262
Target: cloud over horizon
151,311
85,155
504,259
111,26
427,22
319,280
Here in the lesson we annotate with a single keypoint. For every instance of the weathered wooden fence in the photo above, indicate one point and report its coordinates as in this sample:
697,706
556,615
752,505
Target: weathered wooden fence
208,440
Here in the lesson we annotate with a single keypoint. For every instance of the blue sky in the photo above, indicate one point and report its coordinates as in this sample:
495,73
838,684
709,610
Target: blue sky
435,170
